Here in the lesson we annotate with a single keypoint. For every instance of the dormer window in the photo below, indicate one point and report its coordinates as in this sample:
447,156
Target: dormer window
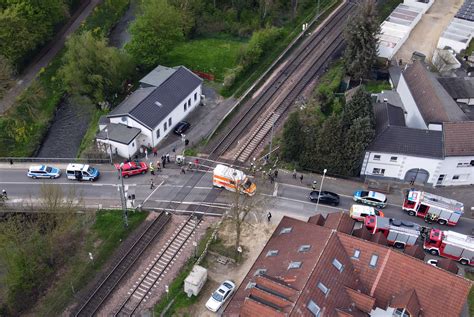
304,248
260,272
272,253
285,230
401,312
338,265
294,265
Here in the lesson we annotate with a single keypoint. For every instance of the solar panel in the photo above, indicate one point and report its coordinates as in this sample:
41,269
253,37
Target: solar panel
466,12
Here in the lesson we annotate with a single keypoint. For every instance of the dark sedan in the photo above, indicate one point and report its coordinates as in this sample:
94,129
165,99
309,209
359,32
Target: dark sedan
181,127
325,197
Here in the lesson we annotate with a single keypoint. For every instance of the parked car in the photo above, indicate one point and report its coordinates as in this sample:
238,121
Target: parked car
181,127
220,296
43,171
325,197
82,172
370,198
132,168
359,212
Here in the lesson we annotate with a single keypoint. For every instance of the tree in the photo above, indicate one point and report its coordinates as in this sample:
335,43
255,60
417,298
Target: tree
93,69
292,142
330,150
359,106
6,75
361,40
358,137
155,32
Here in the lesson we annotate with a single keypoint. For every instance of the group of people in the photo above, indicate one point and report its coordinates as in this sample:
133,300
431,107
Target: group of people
159,163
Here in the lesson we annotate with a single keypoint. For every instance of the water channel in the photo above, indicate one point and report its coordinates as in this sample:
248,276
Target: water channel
71,119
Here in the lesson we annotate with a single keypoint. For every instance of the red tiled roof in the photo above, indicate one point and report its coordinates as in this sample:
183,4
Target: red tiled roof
407,300
379,238
362,301
394,279
317,219
340,221
458,138
448,265
362,233
415,251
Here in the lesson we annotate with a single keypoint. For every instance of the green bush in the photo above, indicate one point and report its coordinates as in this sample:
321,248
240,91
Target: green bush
105,16
260,42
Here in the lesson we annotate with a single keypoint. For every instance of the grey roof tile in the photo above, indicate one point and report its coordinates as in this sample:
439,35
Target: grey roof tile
129,103
118,133
157,76
458,88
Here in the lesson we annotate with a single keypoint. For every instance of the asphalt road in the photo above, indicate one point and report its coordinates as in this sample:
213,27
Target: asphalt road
280,198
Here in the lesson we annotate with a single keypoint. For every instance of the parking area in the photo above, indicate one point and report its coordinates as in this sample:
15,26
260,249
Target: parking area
425,35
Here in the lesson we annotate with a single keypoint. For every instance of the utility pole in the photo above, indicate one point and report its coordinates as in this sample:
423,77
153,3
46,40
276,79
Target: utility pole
123,199
320,188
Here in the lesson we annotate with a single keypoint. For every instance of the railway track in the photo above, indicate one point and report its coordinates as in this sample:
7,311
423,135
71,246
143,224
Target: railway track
104,290
153,274
250,130
106,287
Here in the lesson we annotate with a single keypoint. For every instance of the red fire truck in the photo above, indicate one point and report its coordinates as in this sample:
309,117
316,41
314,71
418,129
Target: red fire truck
450,244
433,208
399,233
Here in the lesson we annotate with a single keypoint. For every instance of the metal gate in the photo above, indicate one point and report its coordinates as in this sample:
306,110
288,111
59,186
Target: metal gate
419,175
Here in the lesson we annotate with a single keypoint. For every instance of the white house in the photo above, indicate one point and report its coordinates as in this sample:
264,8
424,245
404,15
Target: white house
165,97
421,132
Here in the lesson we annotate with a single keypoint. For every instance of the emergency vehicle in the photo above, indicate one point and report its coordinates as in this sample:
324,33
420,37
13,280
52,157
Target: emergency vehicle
433,208
450,244
231,179
359,212
399,233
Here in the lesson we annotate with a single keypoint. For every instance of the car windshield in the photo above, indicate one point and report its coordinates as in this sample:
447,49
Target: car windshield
218,297
90,170
247,184
48,169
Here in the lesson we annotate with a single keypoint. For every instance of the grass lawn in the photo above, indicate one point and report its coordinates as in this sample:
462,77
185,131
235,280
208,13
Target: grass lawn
101,239
376,86
213,55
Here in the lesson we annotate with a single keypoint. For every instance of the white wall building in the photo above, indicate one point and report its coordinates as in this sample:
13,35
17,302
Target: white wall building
166,96
421,132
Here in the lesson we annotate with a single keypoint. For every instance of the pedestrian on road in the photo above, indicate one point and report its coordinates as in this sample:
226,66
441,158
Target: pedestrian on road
158,166
301,178
314,185
196,163
272,180
167,158
183,171
412,181
155,152
4,194
190,165
11,162
294,173
269,216
152,184
152,169
276,173
163,162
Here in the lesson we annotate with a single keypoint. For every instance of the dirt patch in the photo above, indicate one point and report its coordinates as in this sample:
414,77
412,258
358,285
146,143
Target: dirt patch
254,237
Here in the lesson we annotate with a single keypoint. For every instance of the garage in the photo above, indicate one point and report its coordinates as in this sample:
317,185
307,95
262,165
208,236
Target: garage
420,176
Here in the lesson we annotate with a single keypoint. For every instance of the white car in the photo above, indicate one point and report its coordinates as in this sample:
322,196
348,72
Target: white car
433,262
220,296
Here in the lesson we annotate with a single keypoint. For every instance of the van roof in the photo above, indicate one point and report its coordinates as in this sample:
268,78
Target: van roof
77,167
229,172
363,208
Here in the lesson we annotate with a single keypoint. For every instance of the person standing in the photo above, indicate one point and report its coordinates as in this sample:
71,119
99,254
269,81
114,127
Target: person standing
158,165
314,185
294,173
301,178
152,184
152,169
269,216
167,158
272,180
155,152
276,173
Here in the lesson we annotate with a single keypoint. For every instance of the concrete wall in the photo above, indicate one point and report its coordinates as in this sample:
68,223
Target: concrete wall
413,118
123,150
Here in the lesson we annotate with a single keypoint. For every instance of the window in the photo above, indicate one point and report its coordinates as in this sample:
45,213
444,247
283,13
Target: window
294,265
338,265
260,272
133,144
378,171
313,308
393,159
195,96
377,157
165,126
356,254
189,102
373,260
124,119
250,285
323,288
158,133
272,253
304,248
169,122
456,177
285,230
184,106
471,163
401,312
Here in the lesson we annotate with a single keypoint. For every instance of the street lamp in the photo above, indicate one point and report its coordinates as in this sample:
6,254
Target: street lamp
123,199
183,139
320,188
110,145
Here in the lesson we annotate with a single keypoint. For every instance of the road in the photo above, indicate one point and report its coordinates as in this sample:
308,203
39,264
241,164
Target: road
282,198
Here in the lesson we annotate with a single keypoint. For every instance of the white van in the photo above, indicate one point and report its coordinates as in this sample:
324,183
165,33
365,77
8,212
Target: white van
359,212
82,172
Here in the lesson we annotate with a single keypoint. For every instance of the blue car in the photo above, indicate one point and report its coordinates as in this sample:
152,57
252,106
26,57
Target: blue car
43,171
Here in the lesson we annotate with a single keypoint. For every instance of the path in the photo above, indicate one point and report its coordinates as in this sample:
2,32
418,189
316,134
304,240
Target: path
56,44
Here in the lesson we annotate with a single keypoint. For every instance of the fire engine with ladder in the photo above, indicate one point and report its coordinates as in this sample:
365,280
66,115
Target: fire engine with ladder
450,244
433,208
399,233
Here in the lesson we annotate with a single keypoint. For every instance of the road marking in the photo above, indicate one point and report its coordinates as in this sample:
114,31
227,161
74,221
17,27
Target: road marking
144,201
275,191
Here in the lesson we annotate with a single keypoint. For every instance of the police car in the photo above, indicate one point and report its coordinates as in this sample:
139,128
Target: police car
370,198
43,171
